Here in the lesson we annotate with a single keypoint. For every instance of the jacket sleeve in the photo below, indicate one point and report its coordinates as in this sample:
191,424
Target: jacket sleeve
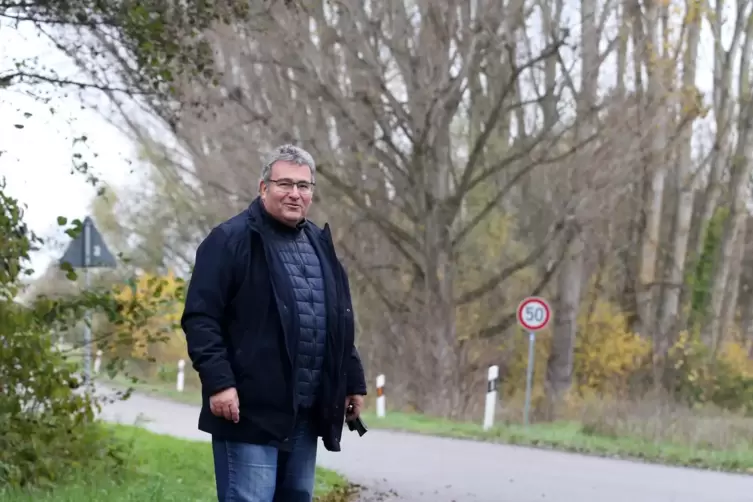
356,383
356,380
202,318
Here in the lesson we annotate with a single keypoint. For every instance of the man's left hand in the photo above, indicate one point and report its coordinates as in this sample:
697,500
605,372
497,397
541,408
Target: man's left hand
356,402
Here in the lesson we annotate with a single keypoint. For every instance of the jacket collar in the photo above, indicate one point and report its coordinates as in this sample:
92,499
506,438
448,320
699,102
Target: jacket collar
259,219
259,215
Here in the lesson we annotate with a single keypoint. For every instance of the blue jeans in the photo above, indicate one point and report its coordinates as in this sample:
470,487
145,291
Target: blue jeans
254,473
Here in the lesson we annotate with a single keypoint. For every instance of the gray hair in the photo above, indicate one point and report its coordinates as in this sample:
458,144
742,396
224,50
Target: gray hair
288,153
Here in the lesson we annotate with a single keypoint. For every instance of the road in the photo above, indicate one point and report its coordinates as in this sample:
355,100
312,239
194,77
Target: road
406,467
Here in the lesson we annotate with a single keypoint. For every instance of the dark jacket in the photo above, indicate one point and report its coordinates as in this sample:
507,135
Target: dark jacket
241,329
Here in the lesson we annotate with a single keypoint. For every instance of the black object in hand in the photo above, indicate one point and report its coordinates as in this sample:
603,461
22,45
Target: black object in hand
357,424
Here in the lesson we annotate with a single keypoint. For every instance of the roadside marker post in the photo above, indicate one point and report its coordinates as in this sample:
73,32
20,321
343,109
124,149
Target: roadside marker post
491,396
380,396
180,384
534,315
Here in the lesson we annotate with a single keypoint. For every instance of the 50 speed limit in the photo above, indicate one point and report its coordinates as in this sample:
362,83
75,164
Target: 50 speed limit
534,313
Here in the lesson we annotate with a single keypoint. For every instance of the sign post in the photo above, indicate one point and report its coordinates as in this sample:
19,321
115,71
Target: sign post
534,314
88,250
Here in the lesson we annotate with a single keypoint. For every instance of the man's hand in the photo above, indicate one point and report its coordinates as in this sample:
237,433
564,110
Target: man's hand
225,404
356,402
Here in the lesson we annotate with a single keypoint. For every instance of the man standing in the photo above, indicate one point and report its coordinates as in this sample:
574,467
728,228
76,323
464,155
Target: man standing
269,327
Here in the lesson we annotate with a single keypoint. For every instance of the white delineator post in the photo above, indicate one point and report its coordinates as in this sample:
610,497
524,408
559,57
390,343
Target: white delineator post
380,396
181,375
98,362
491,396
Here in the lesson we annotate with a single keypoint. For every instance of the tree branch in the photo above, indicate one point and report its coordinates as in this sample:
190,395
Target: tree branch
490,284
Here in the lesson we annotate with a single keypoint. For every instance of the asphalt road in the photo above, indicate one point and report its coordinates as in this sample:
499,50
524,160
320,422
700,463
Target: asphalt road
406,467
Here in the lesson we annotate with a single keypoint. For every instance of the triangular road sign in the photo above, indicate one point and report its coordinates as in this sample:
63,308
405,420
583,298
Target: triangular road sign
99,255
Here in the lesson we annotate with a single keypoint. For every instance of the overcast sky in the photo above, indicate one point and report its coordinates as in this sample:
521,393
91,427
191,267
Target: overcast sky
36,160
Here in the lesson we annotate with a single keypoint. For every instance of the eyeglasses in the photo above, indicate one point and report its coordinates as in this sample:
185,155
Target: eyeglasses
286,185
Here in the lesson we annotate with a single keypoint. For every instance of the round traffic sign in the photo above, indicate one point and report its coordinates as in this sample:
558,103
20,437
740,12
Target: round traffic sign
534,313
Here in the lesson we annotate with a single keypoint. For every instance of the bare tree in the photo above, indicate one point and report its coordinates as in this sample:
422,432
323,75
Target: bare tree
685,177
739,184
456,176
379,92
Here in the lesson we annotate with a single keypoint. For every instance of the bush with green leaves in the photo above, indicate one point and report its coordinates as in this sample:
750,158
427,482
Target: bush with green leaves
697,376
47,417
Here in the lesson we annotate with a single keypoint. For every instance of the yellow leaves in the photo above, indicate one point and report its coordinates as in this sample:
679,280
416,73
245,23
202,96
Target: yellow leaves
735,355
606,352
148,287
724,379
695,11
155,335
691,103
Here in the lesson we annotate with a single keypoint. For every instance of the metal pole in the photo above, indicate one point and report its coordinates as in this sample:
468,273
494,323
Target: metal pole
87,317
529,375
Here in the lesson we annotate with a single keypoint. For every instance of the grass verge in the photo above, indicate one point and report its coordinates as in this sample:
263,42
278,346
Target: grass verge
574,437
160,468
732,455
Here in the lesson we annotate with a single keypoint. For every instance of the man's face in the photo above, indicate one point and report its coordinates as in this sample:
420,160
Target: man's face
282,198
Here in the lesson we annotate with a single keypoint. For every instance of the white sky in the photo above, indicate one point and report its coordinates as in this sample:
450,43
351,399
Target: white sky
36,160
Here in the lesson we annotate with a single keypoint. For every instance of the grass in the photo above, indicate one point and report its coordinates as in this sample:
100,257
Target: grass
160,468
645,431
575,437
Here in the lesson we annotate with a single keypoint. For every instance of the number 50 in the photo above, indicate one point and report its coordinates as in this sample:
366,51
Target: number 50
535,313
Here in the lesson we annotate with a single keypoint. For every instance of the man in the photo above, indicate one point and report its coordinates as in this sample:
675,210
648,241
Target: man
269,327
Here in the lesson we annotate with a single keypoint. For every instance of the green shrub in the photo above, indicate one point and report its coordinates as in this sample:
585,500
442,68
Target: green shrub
47,419
699,377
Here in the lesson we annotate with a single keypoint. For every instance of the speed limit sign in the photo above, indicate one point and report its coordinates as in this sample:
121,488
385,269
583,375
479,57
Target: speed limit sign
534,313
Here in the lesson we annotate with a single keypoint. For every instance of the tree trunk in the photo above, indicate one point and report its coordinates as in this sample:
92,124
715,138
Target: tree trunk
730,304
656,171
684,210
742,166
559,372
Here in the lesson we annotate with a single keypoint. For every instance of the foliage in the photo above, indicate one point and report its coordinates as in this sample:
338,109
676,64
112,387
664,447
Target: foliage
17,244
607,355
701,279
43,419
160,41
698,377
46,415
606,352
612,362
46,419
155,338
